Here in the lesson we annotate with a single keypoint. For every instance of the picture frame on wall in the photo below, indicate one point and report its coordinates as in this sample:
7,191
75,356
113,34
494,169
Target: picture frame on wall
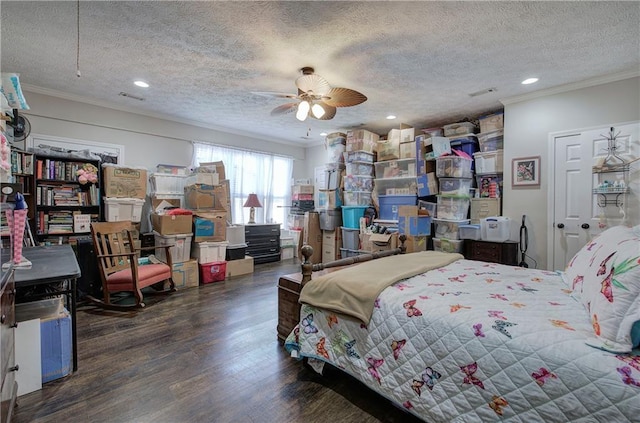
525,172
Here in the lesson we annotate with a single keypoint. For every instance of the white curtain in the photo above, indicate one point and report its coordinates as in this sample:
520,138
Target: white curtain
267,175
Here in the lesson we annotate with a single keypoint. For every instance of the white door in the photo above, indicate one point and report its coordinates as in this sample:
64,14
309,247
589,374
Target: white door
576,213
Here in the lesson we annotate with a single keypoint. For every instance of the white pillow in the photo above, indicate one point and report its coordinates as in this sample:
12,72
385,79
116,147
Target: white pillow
605,277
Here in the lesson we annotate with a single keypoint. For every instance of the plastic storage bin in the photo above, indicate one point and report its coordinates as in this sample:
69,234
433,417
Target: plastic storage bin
489,162
495,229
454,186
350,238
428,206
357,198
389,205
208,252
330,219
448,245
448,229
213,272
491,141
351,216
359,156
452,208
396,168
164,183
235,234
469,232
453,167
119,209
397,186
459,128
235,252
336,144
358,183
360,168
492,122
181,250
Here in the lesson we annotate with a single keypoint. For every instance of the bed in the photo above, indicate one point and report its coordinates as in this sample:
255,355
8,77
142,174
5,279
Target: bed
474,341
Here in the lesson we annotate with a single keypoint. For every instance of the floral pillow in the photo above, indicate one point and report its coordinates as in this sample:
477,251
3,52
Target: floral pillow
605,276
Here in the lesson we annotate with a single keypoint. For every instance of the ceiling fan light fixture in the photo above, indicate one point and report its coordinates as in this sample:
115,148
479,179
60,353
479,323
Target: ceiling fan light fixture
317,110
303,110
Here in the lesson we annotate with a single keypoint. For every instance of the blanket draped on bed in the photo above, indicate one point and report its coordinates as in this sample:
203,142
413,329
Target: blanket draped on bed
352,291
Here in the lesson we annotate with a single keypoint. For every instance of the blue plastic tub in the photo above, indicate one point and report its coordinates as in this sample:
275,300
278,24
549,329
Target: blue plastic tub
351,216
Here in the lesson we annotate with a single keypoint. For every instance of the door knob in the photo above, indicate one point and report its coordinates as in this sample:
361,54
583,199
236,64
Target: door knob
560,225
585,226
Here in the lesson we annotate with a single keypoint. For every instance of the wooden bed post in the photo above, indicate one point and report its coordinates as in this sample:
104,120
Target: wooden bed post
307,266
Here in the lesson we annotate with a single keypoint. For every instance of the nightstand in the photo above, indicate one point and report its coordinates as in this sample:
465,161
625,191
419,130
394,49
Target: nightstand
494,252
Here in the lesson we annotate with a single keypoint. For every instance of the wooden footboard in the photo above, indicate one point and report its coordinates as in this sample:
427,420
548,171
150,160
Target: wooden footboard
308,268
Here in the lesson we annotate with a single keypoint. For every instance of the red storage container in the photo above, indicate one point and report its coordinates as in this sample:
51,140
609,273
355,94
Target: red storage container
213,272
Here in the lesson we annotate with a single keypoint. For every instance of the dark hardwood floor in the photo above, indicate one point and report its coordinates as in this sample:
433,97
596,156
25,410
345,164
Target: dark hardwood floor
206,354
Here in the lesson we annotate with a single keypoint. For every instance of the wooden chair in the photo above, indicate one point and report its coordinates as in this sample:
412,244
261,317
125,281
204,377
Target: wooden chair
119,269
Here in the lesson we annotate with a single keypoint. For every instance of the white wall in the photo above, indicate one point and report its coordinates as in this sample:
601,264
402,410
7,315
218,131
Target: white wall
527,127
148,141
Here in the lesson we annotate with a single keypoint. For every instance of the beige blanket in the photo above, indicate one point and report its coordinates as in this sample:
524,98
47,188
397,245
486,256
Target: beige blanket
352,291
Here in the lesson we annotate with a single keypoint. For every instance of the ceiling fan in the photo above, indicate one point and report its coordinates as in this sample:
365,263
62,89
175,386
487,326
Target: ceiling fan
315,98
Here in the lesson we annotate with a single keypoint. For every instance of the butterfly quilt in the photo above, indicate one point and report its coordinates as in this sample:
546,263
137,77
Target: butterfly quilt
475,341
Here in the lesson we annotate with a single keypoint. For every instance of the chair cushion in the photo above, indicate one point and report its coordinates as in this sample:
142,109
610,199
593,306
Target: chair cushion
147,275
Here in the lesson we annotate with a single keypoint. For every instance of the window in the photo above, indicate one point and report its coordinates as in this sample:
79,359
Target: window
267,175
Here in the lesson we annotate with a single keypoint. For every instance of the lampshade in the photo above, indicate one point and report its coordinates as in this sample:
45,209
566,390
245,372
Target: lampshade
303,110
252,201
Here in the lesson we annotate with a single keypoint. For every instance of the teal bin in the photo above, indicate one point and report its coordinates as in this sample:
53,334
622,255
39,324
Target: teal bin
351,216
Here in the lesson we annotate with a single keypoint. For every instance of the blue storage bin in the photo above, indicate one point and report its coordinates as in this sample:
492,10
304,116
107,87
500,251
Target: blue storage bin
351,216
469,144
389,205
55,347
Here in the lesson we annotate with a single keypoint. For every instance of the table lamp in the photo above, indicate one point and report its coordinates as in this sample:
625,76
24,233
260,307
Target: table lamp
253,202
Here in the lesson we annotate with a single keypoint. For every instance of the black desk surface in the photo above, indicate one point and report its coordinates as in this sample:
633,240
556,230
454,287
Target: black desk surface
50,263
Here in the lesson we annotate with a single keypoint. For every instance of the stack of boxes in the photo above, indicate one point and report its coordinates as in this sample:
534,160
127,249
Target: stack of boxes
455,177
489,168
125,189
358,187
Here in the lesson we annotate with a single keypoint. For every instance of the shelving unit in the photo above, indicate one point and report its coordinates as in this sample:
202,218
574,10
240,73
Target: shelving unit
611,178
59,197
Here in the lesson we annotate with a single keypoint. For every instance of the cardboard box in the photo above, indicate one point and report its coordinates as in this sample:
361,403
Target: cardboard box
240,267
203,178
410,223
378,242
329,199
406,133
331,242
81,223
209,225
362,140
185,274
427,185
408,150
388,150
302,189
124,182
312,235
159,202
171,225
199,196
219,167
415,243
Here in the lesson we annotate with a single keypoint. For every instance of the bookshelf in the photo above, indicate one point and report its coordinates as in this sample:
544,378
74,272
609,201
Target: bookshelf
64,205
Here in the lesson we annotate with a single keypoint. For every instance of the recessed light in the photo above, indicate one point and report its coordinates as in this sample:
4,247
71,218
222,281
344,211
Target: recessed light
390,117
529,81
141,84
323,134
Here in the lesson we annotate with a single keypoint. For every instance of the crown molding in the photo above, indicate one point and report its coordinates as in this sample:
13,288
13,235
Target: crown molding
571,87
81,99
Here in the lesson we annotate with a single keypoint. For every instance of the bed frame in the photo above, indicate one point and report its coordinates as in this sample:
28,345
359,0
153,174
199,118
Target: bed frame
308,268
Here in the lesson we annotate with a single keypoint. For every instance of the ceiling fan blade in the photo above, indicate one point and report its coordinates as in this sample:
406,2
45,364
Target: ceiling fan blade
284,109
344,97
274,95
329,111
314,83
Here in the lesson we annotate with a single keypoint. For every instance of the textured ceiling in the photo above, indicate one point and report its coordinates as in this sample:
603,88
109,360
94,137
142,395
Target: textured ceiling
417,60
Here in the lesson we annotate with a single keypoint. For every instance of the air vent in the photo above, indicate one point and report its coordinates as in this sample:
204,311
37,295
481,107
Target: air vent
486,91
123,94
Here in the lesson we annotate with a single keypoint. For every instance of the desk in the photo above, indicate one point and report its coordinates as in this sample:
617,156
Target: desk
52,265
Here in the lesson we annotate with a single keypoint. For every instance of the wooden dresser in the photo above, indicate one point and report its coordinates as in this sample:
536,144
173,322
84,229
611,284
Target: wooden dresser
263,242
9,390
494,252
